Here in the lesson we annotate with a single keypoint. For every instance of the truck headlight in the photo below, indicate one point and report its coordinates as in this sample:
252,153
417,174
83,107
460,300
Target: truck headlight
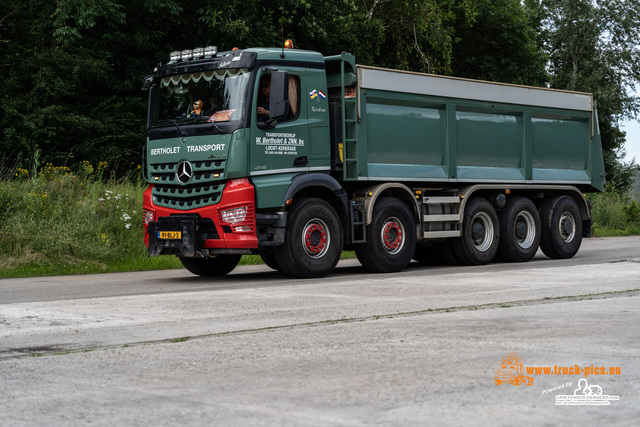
241,219
235,215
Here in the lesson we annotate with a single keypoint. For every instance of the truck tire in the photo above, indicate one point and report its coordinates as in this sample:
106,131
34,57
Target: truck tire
561,227
519,230
270,261
211,267
313,243
391,238
480,235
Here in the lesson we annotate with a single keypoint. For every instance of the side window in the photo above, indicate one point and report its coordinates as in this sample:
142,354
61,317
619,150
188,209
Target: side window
264,91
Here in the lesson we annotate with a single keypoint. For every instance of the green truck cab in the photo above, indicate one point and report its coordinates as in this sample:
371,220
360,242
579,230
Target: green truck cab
297,157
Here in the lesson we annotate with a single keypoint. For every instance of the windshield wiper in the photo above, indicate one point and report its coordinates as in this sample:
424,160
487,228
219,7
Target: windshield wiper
173,122
208,120
182,131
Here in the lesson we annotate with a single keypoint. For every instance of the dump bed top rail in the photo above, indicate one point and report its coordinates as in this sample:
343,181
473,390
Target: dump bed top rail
453,87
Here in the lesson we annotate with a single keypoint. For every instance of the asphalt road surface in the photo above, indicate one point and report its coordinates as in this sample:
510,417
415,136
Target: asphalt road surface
420,347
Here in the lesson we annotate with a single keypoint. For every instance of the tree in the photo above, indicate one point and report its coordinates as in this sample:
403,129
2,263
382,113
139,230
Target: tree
501,44
71,69
394,33
71,73
593,47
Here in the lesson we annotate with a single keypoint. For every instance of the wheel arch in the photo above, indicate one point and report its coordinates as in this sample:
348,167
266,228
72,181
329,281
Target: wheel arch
321,186
396,190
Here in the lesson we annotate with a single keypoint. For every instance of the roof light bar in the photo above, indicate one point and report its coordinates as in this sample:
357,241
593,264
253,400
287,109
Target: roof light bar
196,53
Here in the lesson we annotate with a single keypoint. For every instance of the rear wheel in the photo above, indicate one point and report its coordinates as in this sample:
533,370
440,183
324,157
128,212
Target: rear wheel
211,267
561,227
313,242
391,238
519,230
478,242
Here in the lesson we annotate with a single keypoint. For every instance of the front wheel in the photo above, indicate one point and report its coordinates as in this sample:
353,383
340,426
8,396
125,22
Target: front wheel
211,267
313,243
391,238
270,260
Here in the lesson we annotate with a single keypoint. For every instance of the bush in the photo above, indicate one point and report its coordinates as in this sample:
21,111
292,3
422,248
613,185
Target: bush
614,213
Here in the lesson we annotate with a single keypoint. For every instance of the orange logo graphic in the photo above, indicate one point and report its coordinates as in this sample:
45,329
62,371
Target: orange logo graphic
511,371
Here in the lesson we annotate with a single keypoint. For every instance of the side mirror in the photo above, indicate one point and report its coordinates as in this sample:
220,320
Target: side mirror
279,98
147,82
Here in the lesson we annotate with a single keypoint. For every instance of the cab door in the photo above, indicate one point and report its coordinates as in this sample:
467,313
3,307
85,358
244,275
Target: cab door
282,148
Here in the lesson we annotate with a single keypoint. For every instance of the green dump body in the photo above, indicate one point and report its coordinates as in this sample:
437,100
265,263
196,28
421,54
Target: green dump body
414,127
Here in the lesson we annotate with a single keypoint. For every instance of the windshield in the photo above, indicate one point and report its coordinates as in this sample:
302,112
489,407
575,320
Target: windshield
209,96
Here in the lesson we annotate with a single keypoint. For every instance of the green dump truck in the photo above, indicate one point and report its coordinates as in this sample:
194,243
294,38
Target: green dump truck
296,157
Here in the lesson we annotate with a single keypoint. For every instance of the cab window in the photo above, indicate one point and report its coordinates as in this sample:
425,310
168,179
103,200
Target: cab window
264,92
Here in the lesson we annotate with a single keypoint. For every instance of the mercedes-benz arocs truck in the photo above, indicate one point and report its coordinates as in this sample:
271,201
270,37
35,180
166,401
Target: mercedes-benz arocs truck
296,157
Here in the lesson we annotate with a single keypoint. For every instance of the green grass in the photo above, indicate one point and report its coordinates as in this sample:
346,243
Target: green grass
64,223
61,224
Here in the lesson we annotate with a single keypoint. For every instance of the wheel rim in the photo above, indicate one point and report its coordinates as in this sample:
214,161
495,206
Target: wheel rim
316,238
482,231
525,229
567,227
392,235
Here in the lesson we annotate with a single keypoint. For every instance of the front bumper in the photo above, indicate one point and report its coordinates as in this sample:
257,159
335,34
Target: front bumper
204,231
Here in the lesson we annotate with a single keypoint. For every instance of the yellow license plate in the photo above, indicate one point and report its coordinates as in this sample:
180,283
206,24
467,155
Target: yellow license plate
170,235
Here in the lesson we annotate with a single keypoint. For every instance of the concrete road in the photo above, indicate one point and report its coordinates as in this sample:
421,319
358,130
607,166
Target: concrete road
421,347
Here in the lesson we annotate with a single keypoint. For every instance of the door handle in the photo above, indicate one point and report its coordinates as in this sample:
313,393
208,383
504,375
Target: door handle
301,161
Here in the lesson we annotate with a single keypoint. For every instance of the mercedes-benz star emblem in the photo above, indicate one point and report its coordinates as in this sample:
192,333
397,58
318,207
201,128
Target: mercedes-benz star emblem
184,172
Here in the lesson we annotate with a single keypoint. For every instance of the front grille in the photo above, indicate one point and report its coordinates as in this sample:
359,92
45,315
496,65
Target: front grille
204,189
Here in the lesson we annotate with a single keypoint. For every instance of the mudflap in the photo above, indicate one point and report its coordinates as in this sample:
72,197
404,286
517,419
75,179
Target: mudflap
165,240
